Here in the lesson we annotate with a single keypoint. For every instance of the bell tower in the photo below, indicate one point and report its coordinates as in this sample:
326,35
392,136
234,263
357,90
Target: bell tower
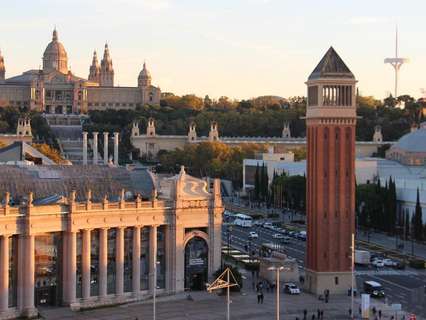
106,75
330,190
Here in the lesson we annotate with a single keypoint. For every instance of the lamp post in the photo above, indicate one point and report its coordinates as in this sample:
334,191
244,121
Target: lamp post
277,297
352,274
229,239
154,290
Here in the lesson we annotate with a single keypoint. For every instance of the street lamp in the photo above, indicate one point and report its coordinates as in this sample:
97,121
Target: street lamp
277,303
154,290
229,239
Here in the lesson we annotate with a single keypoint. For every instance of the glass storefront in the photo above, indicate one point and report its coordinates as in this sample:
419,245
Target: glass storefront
144,258
94,262
13,270
196,264
111,260
161,257
128,262
48,269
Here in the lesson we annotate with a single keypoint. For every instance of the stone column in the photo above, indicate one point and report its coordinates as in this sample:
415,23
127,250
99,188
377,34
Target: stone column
95,148
136,260
4,273
28,274
71,267
119,262
152,257
85,264
103,261
105,148
179,265
116,134
84,148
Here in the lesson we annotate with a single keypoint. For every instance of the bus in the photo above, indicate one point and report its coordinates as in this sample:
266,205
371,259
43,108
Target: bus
243,220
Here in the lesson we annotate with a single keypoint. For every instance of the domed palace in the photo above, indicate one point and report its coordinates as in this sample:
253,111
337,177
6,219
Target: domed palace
56,90
410,150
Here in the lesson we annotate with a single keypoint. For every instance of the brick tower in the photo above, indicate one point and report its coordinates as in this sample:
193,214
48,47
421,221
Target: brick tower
330,190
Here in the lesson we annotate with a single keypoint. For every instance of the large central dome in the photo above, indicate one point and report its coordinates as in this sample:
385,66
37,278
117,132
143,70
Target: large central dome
55,56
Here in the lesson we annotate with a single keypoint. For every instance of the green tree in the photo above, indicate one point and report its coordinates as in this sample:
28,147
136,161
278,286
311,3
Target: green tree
257,183
417,220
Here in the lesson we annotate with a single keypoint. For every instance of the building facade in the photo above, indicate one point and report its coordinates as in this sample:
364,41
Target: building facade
330,190
56,90
84,254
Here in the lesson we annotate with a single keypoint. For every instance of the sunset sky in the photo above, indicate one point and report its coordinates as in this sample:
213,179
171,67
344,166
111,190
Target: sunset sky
237,48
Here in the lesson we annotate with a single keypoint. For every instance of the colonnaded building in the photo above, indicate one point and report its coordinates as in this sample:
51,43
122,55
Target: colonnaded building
87,236
54,89
151,143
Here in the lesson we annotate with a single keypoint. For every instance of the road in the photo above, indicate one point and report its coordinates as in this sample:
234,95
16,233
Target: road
398,284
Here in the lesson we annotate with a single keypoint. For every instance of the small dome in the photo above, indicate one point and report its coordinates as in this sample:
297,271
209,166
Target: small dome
413,142
55,57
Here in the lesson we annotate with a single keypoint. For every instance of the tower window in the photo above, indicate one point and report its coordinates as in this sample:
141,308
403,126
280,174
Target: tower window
336,281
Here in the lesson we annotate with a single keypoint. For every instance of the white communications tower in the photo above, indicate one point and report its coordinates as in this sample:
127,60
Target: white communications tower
396,63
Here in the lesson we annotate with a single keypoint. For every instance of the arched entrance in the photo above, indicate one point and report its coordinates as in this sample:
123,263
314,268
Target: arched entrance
196,263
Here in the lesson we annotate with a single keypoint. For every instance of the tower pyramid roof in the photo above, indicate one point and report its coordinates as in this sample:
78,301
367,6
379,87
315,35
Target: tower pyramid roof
331,66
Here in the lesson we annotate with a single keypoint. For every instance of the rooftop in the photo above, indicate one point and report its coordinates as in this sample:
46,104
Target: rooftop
331,66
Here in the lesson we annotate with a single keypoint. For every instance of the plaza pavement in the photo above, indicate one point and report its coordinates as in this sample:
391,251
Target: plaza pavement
205,306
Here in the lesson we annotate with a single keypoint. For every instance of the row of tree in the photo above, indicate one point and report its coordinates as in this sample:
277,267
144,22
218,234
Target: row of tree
377,208
283,192
212,159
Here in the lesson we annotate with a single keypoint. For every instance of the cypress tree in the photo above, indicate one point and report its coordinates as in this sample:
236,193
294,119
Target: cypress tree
418,220
407,224
256,183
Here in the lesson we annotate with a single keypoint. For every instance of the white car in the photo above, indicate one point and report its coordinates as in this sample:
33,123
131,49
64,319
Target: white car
378,263
253,235
267,225
389,263
291,288
278,236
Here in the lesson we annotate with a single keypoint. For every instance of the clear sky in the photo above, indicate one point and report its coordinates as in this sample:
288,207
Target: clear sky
237,48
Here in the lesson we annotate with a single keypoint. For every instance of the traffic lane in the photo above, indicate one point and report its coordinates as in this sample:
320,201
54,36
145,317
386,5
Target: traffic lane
393,292
296,248
397,290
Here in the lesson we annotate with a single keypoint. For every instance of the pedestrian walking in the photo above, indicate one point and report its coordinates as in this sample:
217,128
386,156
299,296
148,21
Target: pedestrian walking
261,297
380,314
322,314
258,296
313,317
305,313
318,313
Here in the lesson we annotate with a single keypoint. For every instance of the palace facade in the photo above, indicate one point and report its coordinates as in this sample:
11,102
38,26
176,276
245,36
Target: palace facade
54,89
85,250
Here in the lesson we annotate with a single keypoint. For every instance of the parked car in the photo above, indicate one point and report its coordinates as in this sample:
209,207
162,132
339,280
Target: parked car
378,263
389,263
267,225
291,288
285,240
253,235
301,235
